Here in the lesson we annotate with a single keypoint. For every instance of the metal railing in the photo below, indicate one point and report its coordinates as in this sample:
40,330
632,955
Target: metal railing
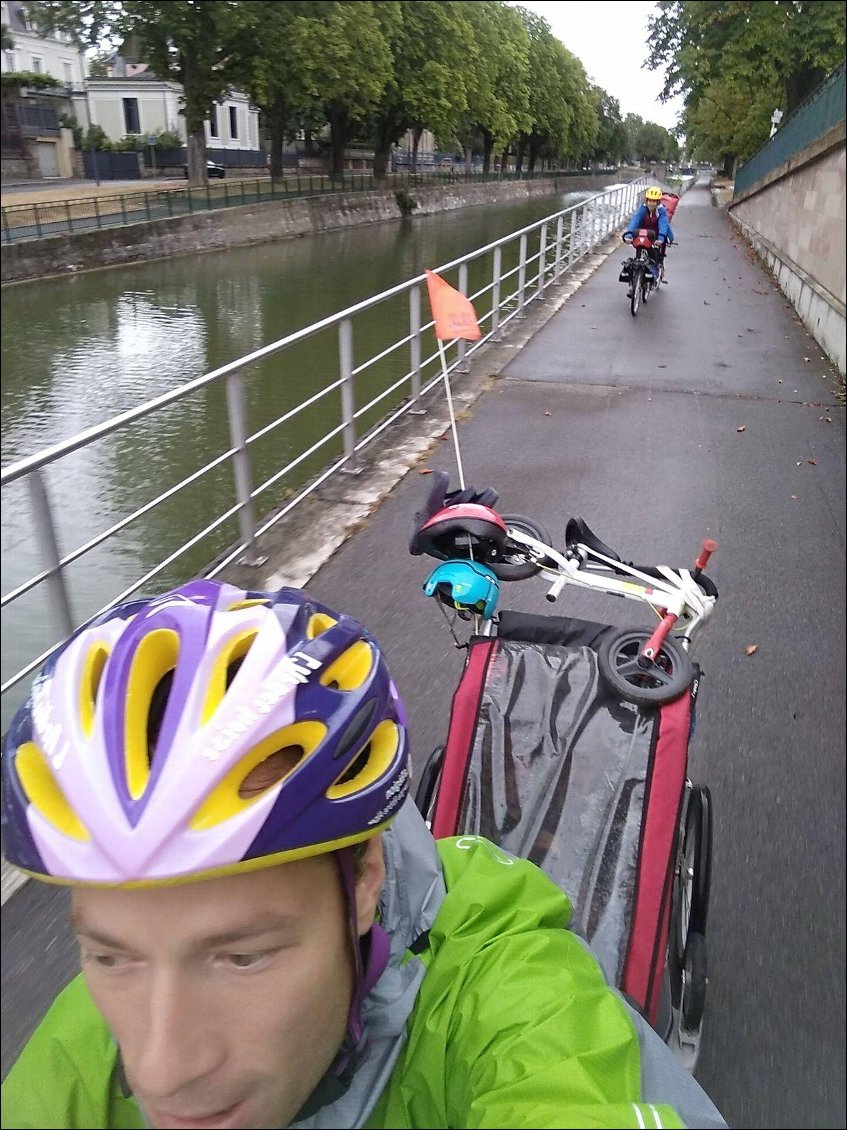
40,220
823,109
511,272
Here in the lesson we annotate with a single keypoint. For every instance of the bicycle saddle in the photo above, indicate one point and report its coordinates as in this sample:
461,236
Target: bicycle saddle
577,532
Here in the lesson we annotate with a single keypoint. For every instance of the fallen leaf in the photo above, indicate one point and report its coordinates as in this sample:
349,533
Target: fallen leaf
751,649
743,428
779,382
548,413
661,366
799,462
807,358
705,303
814,462
424,471
795,496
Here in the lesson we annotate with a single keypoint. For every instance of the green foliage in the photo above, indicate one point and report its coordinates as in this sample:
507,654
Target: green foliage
736,61
95,137
168,139
35,80
8,43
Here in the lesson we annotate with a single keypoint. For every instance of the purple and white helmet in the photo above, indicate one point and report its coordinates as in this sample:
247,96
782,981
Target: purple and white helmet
207,731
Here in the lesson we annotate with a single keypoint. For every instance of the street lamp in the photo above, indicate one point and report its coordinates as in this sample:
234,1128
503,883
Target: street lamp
776,118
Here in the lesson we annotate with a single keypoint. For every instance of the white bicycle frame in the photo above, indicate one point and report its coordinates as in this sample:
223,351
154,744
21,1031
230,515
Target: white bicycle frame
677,593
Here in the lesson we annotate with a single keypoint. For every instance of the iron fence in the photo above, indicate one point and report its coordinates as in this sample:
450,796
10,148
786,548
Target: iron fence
40,220
822,110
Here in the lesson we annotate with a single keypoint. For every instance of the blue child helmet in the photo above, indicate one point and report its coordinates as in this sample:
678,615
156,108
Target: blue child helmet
465,584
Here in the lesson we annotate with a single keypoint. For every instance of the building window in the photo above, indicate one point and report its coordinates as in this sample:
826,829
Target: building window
9,57
132,122
213,122
37,64
68,71
233,122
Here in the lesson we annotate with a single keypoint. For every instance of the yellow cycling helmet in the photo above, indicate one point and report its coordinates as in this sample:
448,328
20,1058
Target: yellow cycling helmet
653,193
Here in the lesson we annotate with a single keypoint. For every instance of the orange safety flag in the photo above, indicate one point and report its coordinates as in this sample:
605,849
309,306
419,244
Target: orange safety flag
453,313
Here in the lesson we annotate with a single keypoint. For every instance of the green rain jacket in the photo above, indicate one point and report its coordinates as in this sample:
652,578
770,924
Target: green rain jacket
491,1014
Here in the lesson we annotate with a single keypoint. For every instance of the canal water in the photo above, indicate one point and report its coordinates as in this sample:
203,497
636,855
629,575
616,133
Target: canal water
78,350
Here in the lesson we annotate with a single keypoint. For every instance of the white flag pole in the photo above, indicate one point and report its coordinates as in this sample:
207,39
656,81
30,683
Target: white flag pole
452,414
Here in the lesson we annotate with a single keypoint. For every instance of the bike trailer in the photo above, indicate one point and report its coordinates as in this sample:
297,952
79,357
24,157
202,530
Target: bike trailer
543,759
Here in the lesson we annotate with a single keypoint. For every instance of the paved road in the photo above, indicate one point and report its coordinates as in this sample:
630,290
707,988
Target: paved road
635,425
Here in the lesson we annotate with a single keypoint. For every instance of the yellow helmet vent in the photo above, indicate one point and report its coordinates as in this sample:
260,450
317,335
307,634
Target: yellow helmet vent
43,793
318,624
374,760
351,669
92,673
268,763
155,659
222,674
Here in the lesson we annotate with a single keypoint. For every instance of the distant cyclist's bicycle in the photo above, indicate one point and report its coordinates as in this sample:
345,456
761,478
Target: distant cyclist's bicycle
644,271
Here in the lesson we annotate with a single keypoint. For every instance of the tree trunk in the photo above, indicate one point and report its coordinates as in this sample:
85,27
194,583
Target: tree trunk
417,134
487,149
278,121
383,137
519,153
468,159
504,160
339,128
196,149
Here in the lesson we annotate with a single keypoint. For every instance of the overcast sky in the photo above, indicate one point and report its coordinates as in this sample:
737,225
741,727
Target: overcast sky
609,38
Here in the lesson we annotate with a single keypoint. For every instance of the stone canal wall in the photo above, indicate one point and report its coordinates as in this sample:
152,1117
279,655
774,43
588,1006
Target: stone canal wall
257,223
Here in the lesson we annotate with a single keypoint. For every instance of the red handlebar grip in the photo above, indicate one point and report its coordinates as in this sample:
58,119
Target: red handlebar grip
709,547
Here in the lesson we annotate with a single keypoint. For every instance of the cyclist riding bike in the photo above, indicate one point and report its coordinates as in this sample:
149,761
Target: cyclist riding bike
269,934
652,216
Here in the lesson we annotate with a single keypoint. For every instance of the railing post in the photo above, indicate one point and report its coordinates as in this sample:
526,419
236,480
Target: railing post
542,262
496,273
37,217
461,365
560,227
241,468
348,398
415,348
522,276
48,543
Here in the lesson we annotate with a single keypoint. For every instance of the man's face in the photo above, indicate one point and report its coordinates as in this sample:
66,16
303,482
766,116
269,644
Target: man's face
228,997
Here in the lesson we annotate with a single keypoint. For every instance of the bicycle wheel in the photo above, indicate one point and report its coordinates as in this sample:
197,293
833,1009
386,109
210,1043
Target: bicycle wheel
635,293
650,683
427,787
694,876
694,981
514,563
647,285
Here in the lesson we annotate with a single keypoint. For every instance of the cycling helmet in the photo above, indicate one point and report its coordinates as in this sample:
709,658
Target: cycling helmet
653,193
467,530
465,585
207,731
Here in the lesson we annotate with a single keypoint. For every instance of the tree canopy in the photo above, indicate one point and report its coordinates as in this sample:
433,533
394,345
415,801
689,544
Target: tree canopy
483,76
736,61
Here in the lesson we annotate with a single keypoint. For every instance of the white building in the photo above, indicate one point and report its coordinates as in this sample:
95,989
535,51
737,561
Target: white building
56,56
141,103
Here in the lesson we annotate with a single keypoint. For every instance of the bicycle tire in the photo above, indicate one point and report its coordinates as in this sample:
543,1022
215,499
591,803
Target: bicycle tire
635,293
518,567
667,678
693,1003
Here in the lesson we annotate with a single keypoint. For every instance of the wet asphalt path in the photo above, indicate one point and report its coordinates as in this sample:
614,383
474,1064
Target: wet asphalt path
710,414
